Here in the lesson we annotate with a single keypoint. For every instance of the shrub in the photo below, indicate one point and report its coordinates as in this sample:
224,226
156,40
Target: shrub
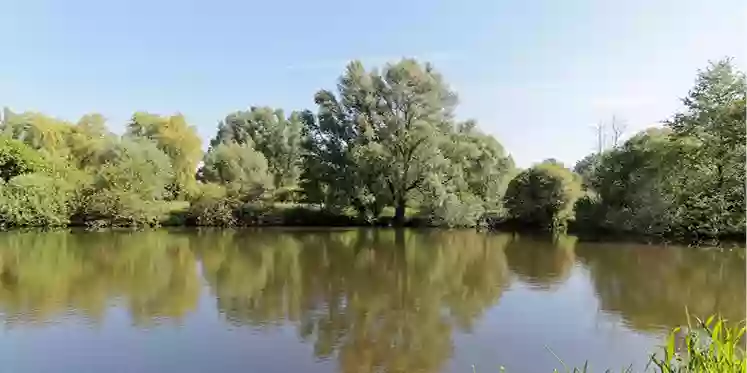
453,210
112,207
240,168
543,196
212,207
17,158
130,187
35,200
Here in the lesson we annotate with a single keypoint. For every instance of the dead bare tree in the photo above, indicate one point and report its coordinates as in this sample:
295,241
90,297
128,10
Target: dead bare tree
618,128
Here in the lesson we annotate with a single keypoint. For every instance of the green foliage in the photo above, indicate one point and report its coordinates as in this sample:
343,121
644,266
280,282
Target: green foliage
543,196
388,139
711,185
178,140
278,138
684,180
240,168
38,131
629,186
130,187
16,158
88,140
34,200
213,207
710,346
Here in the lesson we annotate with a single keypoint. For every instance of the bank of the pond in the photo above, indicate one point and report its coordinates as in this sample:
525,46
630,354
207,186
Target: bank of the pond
182,214
301,215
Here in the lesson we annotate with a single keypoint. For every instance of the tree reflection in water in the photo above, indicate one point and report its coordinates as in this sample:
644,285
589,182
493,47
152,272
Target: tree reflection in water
379,299
373,299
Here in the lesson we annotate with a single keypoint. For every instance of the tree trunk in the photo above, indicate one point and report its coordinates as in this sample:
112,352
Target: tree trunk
399,212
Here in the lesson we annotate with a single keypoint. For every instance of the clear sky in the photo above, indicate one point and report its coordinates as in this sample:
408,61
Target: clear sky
536,74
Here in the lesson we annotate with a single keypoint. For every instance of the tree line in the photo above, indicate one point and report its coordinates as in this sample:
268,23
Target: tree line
384,147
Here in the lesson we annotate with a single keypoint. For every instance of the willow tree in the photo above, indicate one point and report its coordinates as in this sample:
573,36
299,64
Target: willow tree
384,129
240,168
178,140
273,134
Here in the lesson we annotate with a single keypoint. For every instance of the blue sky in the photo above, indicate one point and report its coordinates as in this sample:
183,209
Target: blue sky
536,74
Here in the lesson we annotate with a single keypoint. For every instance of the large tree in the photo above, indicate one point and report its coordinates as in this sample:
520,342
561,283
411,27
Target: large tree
273,134
383,131
713,128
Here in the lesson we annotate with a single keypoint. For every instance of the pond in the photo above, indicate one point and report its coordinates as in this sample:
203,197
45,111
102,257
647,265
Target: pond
348,300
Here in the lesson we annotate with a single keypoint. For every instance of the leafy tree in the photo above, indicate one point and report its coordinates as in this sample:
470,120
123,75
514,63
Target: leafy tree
686,179
17,158
630,188
240,168
586,168
543,196
175,138
383,133
278,138
39,131
130,186
88,140
712,193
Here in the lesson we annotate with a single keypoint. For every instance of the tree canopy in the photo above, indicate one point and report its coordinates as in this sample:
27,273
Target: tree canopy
384,146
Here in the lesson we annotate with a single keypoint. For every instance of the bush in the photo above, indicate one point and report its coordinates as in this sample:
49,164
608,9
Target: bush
543,196
35,200
109,207
240,168
130,188
212,207
455,210
17,158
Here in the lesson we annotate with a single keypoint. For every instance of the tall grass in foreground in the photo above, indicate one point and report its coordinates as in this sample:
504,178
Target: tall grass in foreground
710,346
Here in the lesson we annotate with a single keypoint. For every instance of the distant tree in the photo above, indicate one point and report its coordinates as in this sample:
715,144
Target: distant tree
43,133
543,196
88,140
278,138
240,168
630,185
17,158
130,186
178,140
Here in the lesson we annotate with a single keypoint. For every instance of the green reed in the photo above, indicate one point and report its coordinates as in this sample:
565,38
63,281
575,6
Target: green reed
710,346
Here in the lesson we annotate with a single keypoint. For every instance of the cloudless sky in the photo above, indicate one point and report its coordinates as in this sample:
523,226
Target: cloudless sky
536,74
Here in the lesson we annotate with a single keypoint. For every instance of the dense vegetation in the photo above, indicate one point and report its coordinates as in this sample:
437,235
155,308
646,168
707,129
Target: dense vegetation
384,147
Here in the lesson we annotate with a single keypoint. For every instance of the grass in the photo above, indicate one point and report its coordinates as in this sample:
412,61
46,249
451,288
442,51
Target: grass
711,346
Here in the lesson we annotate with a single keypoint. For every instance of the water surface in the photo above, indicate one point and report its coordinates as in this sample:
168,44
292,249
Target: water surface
283,300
